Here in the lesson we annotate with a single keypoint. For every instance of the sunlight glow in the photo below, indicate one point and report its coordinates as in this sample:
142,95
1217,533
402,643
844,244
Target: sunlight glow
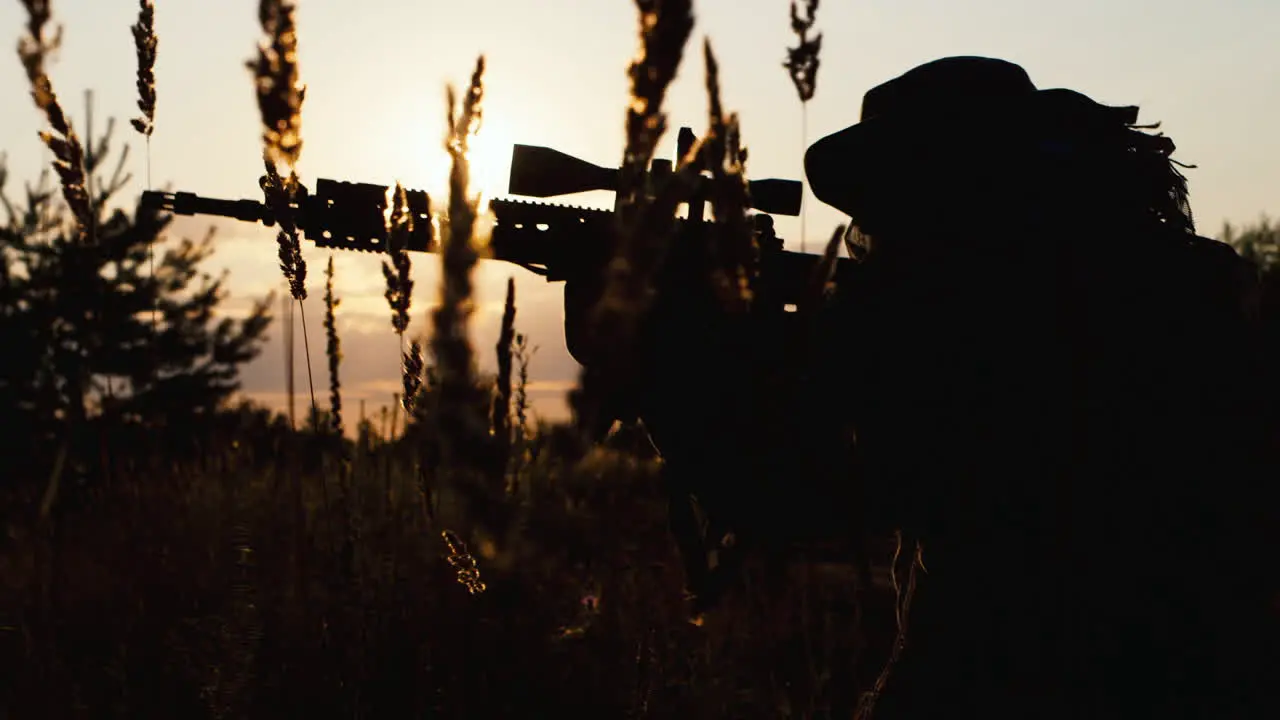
490,155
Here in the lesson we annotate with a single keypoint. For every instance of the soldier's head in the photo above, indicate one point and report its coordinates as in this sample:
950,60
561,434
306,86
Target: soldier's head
971,142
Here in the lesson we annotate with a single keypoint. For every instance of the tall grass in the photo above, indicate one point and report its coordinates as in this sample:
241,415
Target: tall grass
280,104
280,97
500,415
333,350
463,431
803,59
644,225
214,614
734,241
399,294
802,65
34,49
145,44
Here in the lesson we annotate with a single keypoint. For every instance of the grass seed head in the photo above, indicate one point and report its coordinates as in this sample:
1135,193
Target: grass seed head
397,273
463,562
333,350
802,60
280,193
275,71
411,372
34,49
453,355
145,41
500,419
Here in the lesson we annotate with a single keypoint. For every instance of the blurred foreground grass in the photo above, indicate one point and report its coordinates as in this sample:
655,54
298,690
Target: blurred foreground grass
274,574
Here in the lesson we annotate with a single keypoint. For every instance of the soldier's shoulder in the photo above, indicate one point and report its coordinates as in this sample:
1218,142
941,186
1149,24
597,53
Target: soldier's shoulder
1200,254
1219,271
1219,257
1212,247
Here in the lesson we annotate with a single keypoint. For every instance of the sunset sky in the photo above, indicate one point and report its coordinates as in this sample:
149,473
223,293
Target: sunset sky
374,112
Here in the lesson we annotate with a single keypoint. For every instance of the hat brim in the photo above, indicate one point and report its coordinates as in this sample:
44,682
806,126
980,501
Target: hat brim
840,166
836,165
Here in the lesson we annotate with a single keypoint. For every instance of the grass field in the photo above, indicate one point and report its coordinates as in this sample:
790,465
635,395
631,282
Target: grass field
295,580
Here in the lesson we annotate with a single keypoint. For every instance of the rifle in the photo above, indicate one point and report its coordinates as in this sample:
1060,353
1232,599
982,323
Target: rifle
558,242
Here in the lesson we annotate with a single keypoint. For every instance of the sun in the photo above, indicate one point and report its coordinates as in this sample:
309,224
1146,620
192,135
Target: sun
490,158
489,165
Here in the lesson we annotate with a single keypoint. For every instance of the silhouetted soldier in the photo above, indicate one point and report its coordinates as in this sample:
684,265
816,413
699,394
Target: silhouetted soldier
1053,384
748,462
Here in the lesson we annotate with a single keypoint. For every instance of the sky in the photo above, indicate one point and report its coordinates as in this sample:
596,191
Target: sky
375,71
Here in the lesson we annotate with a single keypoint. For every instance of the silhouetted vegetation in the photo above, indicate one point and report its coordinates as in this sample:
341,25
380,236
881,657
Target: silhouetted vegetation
103,335
166,552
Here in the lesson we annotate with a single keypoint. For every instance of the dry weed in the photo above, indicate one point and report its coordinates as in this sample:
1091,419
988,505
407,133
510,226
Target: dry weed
500,416
275,73
802,60
399,292
279,193
450,345
333,350
397,273
280,99
903,597
34,49
411,373
145,41
644,226
802,66
463,563
734,240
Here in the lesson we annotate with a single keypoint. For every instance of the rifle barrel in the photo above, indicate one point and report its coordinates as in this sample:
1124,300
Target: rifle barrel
185,203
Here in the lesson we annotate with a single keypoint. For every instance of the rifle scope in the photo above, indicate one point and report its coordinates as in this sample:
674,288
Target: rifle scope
543,172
